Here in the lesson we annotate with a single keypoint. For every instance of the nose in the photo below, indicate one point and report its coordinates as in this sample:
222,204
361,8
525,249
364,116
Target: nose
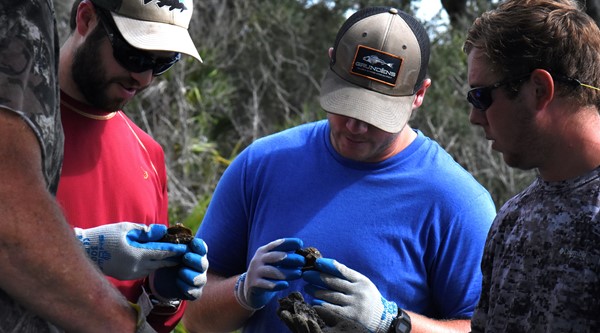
477,117
356,126
142,78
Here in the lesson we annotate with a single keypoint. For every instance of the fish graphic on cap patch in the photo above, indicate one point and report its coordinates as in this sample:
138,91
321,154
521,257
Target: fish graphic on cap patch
375,60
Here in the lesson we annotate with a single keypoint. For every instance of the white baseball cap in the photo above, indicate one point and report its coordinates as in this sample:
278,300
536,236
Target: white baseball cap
157,25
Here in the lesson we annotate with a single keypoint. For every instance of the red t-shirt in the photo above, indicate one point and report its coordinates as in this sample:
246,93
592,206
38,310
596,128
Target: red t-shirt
112,172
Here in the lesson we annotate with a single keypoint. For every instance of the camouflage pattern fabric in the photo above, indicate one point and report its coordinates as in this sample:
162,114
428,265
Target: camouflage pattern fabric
15,319
28,77
541,265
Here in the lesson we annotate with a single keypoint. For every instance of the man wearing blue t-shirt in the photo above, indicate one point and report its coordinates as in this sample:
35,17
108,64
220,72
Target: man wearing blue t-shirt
401,225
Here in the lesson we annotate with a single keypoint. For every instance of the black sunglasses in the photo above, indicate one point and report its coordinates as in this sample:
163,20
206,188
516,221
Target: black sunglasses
481,97
131,58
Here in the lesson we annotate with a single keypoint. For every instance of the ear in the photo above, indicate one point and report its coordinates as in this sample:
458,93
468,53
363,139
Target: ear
86,18
543,83
420,95
330,52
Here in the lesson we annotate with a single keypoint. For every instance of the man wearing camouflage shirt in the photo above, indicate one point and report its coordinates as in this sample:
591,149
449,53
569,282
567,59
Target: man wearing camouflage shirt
534,69
46,280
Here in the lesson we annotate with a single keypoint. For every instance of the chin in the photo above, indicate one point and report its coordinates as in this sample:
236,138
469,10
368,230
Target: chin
516,162
510,160
117,104
353,157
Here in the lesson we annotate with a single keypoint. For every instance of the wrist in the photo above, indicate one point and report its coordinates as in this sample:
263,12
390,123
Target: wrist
160,305
401,323
141,325
385,312
239,293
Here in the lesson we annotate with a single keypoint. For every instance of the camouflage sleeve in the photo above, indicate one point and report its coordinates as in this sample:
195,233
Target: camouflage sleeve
29,75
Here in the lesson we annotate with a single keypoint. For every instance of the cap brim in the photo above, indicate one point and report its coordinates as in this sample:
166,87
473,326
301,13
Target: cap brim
388,113
155,36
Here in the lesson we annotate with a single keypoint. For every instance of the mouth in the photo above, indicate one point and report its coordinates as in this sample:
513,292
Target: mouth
128,91
354,140
488,136
129,88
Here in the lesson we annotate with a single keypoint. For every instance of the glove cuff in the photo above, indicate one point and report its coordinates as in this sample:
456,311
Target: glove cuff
388,311
239,292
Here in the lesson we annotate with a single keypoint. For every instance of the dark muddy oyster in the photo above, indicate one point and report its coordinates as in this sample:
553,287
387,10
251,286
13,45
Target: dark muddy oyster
310,254
178,234
297,315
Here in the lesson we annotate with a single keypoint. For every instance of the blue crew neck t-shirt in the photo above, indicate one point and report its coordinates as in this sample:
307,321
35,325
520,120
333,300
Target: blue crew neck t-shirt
414,224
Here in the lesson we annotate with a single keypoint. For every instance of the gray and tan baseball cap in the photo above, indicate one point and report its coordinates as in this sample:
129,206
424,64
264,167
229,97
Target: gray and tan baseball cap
158,25
379,62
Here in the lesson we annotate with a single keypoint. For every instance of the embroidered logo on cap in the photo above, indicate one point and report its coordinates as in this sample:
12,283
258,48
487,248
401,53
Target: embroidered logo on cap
376,65
173,4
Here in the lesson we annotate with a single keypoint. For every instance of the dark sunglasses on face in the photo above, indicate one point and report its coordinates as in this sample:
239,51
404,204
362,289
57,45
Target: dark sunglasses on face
131,58
481,97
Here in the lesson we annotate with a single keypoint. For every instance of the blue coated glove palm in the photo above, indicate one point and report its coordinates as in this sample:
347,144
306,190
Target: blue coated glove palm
129,251
272,266
340,290
184,281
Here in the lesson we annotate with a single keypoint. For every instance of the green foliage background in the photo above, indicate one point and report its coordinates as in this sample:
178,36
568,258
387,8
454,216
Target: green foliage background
263,63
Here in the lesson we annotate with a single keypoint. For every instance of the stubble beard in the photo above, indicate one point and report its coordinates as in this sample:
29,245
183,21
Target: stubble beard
89,75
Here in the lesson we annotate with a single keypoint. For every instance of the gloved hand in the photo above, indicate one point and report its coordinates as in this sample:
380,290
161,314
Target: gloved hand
129,251
300,317
272,266
335,323
339,290
184,281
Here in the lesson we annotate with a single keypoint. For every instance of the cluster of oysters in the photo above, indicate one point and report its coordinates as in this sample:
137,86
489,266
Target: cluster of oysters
293,311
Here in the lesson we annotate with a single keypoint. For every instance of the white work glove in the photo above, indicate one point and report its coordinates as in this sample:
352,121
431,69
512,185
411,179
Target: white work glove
129,251
272,266
339,290
184,281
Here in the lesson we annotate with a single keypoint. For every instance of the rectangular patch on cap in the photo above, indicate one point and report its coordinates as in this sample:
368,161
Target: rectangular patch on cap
376,65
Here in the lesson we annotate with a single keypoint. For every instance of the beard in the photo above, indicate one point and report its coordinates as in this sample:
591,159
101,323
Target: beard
90,76
528,146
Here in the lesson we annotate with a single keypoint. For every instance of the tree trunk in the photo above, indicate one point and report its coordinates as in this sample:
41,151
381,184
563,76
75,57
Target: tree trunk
456,9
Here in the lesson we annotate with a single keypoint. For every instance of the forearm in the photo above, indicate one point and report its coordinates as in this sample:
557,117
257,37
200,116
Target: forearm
217,310
43,267
422,324
56,280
